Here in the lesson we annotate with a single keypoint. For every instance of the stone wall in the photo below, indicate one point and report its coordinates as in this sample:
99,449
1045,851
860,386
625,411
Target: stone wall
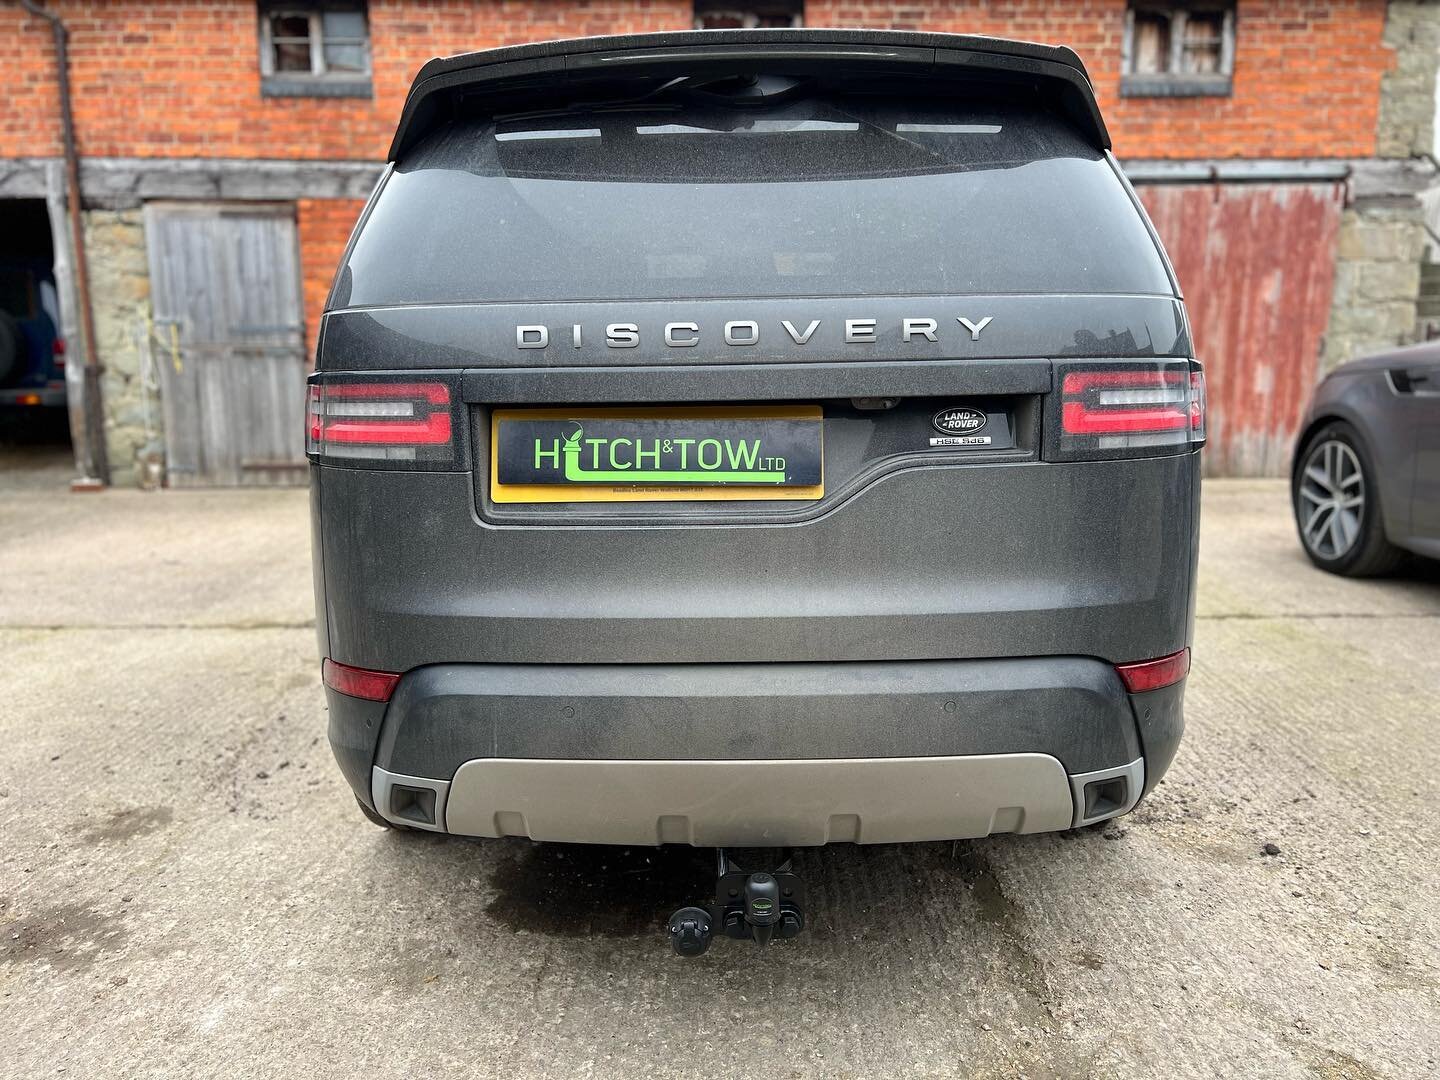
1377,279
1407,92
120,296
181,78
1382,234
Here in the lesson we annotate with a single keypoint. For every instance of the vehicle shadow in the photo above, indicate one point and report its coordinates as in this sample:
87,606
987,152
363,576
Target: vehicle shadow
1418,569
35,452
1416,576
856,893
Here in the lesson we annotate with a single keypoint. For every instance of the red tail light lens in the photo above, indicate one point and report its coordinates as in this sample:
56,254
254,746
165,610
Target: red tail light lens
358,682
1153,674
382,423
1113,410
1126,402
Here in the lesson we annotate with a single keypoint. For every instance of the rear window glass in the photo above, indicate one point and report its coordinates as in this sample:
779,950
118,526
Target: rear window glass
17,293
815,198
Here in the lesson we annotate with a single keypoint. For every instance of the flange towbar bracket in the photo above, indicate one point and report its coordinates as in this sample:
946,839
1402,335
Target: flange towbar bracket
761,906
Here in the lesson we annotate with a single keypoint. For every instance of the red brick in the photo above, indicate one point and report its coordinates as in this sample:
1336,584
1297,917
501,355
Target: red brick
175,79
324,226
162,79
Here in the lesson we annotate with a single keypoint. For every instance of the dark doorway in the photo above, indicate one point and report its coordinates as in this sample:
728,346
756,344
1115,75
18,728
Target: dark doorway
34,424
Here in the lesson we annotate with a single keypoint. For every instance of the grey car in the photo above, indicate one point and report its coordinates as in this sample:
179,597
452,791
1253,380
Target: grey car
1365,483
755,438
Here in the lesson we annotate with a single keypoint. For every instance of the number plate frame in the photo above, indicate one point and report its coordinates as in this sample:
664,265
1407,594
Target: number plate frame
635,440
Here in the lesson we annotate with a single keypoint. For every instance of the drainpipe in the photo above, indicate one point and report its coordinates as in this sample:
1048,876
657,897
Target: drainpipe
98,470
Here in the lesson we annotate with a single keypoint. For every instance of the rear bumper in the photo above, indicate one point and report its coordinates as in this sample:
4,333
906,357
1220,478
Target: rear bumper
757,754
926,563
49,396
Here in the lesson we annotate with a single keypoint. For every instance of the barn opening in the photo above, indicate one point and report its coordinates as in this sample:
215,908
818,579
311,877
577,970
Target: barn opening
34,424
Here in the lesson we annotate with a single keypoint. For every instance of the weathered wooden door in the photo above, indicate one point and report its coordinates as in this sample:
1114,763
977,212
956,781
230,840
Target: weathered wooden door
1256,263
225,287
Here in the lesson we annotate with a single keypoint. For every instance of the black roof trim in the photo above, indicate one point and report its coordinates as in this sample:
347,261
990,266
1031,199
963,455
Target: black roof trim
549,62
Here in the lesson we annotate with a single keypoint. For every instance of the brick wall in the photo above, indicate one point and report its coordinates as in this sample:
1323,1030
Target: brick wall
324,226
1307,72
182,79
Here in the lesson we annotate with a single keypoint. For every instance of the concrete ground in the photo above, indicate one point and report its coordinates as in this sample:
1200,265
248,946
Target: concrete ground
186,887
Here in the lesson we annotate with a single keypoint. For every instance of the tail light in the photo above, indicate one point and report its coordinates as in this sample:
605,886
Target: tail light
384,424
1130,410
1197,405
57,352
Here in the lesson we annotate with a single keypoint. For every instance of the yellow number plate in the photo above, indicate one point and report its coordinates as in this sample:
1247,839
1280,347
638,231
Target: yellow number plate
657,454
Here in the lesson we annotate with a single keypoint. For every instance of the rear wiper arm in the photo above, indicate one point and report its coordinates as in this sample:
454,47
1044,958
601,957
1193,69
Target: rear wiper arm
751,90
603,105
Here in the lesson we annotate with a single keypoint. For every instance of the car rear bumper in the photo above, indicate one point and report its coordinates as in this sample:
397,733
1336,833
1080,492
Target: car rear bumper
925,563
757,754
51,396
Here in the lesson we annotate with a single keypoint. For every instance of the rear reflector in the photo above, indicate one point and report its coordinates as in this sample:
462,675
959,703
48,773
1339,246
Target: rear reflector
381,422
1146,675
358,682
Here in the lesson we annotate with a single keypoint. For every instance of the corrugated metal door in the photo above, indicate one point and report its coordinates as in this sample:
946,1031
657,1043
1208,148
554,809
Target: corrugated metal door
1256,263
225,286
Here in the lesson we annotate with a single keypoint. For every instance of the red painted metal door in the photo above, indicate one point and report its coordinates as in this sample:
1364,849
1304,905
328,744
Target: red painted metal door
1256,263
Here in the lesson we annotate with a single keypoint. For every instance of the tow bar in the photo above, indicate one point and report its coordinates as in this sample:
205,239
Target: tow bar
760,906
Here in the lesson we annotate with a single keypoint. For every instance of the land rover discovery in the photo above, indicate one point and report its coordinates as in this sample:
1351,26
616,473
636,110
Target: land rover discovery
754,438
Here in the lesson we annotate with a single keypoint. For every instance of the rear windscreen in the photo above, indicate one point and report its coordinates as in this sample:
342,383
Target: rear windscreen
818,197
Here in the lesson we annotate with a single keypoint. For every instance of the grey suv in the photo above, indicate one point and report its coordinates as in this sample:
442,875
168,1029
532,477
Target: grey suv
754,438
1365,478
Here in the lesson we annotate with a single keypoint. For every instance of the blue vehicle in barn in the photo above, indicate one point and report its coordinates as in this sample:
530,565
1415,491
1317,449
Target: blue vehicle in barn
32,352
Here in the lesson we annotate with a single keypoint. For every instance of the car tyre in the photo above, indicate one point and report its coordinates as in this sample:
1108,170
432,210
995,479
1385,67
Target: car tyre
12,350
375,818
1336,502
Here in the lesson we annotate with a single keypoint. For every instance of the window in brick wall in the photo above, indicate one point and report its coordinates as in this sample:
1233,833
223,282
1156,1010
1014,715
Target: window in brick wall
314,49
730,15
1178,49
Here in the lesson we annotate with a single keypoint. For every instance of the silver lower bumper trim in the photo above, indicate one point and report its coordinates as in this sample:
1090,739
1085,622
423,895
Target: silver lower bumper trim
748,803
391,793
1132,777
757,803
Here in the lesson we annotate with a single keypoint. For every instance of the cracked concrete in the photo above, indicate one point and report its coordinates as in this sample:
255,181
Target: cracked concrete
186,888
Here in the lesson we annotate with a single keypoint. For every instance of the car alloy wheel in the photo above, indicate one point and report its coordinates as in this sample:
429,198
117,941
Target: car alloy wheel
1332,499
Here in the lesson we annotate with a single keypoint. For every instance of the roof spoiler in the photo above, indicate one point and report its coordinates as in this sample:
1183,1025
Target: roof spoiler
502,78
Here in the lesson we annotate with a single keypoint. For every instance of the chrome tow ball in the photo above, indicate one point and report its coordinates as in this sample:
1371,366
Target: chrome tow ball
761,906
